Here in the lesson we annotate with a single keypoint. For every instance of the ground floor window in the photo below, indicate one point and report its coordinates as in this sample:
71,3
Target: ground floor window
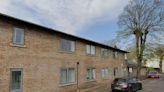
115,71
91,74
16,80
67,75
104,73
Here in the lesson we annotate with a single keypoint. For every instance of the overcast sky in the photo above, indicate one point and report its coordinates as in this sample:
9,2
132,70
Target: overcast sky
92,19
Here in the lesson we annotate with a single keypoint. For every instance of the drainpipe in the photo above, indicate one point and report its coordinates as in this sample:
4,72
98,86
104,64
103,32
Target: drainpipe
77,76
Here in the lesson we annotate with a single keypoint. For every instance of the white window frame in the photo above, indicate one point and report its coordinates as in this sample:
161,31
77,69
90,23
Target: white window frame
21,79
104,52
67,80
115,54
90,49
67,45
15,35
115,71
125,56
104,73
91,74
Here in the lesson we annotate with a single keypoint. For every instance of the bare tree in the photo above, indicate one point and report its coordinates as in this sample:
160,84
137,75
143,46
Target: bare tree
141,19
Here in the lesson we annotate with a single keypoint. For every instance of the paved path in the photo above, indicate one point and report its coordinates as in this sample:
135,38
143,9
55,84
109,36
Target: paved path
153,85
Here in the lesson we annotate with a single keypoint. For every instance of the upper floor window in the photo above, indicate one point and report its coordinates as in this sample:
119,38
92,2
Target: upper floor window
125,56
91,74
90,49
115,54
104,73
67,76
67,45
104,52
18,36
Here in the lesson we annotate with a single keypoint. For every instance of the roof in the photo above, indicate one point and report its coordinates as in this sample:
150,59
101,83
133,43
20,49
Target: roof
50,29
131,64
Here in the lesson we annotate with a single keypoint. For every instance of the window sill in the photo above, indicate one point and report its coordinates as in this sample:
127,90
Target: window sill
68,52
67,84
115,58
105,78
104,57
94,80
17,45
91,55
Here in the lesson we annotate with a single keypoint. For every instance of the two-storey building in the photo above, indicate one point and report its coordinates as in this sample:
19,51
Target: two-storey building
35,58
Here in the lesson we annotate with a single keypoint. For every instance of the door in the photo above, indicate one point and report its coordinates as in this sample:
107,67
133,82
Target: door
16,80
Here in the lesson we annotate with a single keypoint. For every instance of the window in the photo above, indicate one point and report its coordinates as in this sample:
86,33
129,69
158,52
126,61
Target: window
90,49
91,74
18,36
115,71
16,80
67,45
67,76
125,56
104,73
115,54
104,52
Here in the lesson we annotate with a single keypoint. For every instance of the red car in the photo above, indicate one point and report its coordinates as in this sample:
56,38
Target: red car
153,74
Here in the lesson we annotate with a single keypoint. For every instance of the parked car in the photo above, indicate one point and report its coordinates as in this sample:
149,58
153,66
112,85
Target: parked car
153,74
126,84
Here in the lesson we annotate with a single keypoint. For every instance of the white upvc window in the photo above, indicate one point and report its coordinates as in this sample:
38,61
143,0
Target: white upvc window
104,73
115,54
104,52
67,45
90,49
16,80
18,36
67,75
125,56
91,74
115,71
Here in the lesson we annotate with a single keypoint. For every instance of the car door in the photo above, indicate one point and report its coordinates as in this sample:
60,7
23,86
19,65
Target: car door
133,83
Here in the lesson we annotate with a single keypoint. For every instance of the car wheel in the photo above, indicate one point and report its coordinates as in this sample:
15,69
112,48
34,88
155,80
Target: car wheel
113,90
140,87
130,89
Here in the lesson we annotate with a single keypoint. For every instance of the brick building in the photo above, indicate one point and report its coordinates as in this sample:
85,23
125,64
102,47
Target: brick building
34,58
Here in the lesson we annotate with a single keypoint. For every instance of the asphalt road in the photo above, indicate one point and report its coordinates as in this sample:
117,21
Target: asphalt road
153,85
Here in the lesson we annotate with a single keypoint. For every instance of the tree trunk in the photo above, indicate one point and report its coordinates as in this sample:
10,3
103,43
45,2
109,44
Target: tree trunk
139,67
160,64
138,54
139,50
142,38
138,71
